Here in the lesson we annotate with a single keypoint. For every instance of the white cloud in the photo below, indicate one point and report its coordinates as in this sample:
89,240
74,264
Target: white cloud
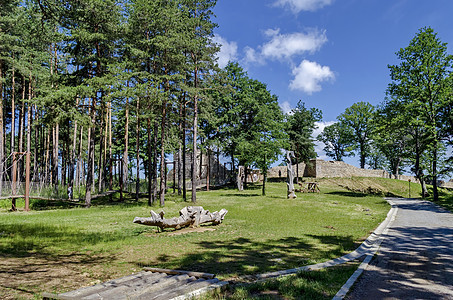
252,57
286,107
287,45
303,5
319,146
228,51
320,127
308,76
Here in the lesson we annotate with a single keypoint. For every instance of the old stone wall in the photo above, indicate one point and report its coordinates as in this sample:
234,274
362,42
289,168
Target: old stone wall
319,168
448,184
280,171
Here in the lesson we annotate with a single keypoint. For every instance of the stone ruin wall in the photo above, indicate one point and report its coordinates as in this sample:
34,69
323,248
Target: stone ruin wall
319,168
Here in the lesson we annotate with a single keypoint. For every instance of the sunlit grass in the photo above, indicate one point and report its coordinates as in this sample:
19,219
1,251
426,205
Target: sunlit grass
259,234
310,285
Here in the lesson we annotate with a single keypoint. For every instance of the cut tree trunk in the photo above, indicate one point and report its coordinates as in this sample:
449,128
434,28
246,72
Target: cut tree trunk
191,216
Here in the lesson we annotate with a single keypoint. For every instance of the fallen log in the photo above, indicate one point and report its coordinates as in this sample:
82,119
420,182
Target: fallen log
191,216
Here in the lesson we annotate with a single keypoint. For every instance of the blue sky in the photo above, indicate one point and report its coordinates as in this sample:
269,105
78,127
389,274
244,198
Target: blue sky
327,53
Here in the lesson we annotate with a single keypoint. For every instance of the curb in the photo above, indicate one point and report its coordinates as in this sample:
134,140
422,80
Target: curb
216,286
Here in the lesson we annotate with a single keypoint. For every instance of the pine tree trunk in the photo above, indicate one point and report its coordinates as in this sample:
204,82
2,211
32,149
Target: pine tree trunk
103,134
194,153
13,110
208,170
178,168
264,177
126,145
74,152
55,161
89,182
78,175
21,127
37,145
180,129
150,166
28,160
184,186
137,149
64,156
200,172
162,155
218,165
110,143
155,140
47,172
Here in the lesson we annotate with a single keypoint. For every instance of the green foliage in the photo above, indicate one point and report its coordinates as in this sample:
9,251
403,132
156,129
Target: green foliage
358,119
422,84
249,124
301,124
337,139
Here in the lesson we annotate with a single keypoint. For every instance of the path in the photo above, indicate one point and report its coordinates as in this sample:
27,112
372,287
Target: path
415,260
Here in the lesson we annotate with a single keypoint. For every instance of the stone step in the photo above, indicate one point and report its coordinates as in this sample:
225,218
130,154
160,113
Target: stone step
122,292
143,285
130,280
188,288
155,289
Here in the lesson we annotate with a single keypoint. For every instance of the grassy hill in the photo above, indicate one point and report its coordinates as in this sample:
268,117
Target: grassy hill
385,187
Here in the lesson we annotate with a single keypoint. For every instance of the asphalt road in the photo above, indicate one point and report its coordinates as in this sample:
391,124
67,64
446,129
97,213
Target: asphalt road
415,260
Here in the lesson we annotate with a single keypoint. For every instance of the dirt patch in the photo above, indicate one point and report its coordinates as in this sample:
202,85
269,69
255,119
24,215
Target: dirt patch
189,230
182,231
23,277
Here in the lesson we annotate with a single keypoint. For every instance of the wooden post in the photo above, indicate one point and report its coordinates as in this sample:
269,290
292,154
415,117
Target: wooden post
13,192
121,179
174,177
27,179
165,177
208,173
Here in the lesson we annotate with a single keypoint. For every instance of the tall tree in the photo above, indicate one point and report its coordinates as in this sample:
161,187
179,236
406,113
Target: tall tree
337,140
393,136
423,82
248,123
301,124
201,50
359,119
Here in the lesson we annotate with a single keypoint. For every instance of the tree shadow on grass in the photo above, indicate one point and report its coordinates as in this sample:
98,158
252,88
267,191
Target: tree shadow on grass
38,258
245,256
348,194
23,240
240,195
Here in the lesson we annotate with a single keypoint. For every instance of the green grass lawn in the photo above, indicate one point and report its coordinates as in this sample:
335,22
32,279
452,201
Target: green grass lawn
259,234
